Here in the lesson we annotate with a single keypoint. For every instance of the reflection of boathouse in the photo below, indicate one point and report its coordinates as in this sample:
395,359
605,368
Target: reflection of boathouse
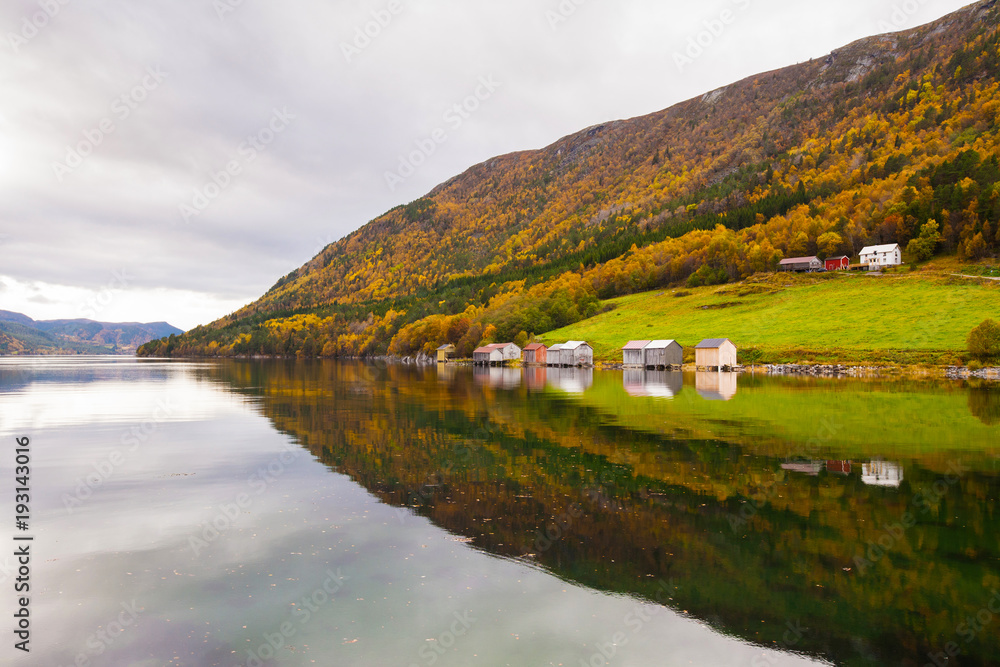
881,473
535,377
497,377
571,380
715,386
661,384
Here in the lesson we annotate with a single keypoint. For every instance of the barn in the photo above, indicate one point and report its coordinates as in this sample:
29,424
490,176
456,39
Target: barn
535,354
496,354
715,353
632,354
842,263
877,256
663,354
445,352
577,353
801,264
553,357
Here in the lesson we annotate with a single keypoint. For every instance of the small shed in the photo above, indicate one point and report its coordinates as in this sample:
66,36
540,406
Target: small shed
553,357
632,354
842,263
445,352
715,353
663,354
535,354
801,264
577,353
496,354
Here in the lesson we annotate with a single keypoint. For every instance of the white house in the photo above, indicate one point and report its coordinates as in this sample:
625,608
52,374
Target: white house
496,354
877,256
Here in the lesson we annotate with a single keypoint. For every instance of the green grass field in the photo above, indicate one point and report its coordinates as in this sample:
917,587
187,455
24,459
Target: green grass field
900,318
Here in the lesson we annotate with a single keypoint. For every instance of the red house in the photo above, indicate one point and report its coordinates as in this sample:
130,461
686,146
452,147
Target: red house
842,263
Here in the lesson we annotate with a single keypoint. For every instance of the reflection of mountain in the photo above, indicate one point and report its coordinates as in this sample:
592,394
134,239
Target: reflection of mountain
715,386
743,544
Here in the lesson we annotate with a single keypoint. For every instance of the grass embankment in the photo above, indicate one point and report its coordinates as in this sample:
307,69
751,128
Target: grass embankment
921,317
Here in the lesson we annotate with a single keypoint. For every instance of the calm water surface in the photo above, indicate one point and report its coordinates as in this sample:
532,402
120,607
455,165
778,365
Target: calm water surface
283,513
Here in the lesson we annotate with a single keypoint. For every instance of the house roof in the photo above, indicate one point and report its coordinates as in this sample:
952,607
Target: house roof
833,259
574,344
535,346
660,344
556,347
447,346
712,343
799,260
491,347
636,344
889,247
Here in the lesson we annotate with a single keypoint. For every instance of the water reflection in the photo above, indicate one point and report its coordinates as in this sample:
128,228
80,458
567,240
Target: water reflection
722,522
882,473
716,386
571,380
497,377
656,384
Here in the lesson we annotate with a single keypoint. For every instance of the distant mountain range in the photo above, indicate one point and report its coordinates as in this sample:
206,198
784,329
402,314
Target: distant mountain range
19,334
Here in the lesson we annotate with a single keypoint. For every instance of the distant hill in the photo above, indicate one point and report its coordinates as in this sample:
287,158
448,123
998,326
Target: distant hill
890,139
19,334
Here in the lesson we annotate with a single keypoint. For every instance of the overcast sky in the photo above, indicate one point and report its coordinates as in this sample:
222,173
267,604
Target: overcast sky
171,161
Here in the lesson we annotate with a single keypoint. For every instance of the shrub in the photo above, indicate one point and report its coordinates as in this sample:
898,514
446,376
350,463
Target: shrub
984,340
974,366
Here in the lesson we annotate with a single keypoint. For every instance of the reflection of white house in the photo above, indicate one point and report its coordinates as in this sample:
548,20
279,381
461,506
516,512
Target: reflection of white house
881,473
658,384
877,256
571,380
715,386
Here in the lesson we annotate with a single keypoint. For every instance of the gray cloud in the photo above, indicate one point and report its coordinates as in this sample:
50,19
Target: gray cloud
562,66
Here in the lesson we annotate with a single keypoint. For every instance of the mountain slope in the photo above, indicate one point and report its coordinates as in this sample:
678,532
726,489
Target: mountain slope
863,146
20,334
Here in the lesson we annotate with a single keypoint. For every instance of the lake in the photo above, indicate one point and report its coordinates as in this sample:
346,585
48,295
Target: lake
298,513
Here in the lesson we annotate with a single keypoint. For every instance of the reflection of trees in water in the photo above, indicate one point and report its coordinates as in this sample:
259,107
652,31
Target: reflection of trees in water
984,403
527,474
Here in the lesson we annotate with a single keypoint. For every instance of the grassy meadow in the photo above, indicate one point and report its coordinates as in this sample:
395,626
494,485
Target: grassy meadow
920,317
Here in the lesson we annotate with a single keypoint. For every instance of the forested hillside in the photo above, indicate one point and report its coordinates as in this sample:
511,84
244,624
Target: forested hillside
892,139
